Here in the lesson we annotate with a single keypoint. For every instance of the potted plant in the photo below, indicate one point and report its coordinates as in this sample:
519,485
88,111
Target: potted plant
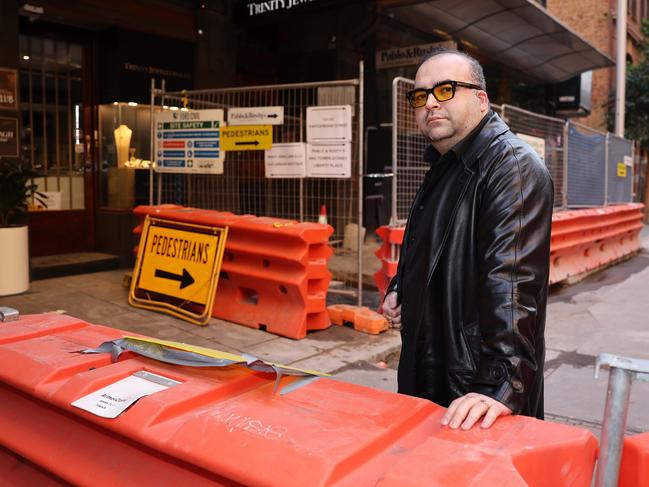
16,190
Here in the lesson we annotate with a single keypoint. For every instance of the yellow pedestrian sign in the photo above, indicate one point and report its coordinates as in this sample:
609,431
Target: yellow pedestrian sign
247,137
177,268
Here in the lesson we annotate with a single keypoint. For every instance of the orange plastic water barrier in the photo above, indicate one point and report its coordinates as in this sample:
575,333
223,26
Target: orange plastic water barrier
388,254
582,241
585,240
274,274
224,426
634,469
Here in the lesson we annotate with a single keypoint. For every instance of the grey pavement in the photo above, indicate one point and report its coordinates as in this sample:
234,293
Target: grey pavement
606,312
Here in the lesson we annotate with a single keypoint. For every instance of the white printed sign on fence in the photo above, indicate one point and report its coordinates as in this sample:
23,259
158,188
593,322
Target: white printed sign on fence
329,160
256,116
329,124
286,161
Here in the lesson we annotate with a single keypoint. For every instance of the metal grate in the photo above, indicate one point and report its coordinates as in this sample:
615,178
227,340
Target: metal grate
408,146
243,187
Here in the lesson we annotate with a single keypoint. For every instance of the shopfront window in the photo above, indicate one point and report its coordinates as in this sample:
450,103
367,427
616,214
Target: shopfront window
52,122
124,154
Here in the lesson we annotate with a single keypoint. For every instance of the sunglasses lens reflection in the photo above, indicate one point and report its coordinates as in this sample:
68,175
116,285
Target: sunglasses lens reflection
443,92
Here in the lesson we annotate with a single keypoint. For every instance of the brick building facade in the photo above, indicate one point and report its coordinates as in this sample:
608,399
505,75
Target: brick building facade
595,21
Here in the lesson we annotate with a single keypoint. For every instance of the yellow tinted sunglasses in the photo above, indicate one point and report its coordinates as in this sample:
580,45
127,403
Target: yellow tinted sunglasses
442,91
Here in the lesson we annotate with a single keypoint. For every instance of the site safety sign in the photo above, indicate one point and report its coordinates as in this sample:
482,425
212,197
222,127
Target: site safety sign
189,141
178,261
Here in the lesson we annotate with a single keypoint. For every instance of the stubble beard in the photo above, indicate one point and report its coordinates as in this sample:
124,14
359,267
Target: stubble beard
439,133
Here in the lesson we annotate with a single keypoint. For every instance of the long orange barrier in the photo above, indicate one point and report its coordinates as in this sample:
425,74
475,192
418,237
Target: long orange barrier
274,274
225,426
582,241
634,468
585,240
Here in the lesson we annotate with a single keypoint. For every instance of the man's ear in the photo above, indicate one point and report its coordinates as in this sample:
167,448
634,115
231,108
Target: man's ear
484,100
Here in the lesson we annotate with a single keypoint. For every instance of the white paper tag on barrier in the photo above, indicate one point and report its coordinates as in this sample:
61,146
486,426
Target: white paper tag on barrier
113,400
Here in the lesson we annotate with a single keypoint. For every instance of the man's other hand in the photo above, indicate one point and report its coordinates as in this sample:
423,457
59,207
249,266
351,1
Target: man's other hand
465,411
392,310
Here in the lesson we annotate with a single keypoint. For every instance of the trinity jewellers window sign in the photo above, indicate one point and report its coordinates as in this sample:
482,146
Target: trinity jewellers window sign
409,56
268,9
269,6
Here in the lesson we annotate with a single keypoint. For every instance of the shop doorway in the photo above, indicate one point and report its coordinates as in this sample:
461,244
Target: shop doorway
56,117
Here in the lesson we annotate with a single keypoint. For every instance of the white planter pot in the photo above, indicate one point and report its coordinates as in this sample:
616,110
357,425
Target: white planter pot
14,260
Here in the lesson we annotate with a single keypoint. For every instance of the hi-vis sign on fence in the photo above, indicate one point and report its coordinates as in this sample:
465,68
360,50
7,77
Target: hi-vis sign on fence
177,269
189,141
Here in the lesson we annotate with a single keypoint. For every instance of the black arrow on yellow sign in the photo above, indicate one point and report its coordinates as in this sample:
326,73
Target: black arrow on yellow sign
185,279
247,142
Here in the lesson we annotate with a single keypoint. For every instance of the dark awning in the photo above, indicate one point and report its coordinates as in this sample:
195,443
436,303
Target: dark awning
519,34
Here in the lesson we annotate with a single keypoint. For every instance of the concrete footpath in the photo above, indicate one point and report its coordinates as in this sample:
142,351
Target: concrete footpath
607,312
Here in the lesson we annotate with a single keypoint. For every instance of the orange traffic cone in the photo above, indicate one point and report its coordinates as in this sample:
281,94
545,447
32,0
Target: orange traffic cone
322,217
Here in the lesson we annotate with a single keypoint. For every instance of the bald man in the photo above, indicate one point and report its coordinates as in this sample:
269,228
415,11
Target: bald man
471,288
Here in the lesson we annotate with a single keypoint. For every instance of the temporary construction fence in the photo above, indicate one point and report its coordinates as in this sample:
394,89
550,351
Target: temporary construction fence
243,188
600,169
589,168
61,377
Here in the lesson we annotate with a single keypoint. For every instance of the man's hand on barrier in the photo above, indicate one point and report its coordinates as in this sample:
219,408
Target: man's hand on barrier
392,310
465,411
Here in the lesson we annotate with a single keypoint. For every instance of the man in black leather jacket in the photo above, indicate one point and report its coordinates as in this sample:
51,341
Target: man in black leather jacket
471,288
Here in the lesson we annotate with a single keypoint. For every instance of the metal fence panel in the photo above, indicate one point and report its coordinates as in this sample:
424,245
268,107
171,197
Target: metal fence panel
243,187
408,146
619,153
549,133
586,166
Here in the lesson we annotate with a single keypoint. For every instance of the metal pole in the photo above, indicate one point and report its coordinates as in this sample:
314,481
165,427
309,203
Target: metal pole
620,67
152,133
361,77
632,178
395,129
615,414
564,183
606,168
159,202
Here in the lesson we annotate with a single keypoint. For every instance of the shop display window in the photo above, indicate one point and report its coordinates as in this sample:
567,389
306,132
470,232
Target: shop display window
124,155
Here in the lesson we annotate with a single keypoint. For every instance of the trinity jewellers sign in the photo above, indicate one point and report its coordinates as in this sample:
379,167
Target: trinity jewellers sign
269,6
408,56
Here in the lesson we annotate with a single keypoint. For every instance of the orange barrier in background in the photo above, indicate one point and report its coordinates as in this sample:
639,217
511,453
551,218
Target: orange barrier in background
585,240
634,468
274,274
582,241
388,254
224,426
